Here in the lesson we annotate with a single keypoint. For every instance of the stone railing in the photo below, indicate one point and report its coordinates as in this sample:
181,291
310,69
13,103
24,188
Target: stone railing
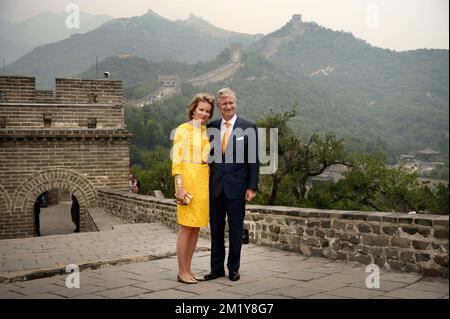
134,208
399,242
90,224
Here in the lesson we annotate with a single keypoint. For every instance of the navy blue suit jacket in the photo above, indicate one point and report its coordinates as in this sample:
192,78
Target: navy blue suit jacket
238,169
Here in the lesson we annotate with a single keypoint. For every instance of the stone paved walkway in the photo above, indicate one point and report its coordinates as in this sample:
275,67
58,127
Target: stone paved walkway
56,219
139,261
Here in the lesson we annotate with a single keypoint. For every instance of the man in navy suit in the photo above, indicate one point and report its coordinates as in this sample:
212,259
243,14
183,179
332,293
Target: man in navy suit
234,173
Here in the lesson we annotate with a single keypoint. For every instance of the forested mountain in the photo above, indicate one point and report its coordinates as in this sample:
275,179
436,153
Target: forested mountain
149,36
18,38
372,97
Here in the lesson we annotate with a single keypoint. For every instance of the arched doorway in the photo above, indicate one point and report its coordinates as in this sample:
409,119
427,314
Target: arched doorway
56,212
64,180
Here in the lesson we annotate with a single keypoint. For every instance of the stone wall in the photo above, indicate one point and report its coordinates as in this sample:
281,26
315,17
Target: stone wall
134,208
399,242
222,73
90,224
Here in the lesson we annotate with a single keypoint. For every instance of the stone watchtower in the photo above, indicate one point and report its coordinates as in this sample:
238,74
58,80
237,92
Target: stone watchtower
236,53
73,139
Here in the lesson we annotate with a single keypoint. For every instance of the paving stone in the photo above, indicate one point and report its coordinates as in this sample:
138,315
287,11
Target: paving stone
296,292
267,296
438,287
7,287
10,295
203,287
219,295
89,296
260,273
167,294
400,277
322,284
347,279
356,293
302,275
35,289
260,286
405,293
325,296
384,285
157,285
111,284
44,296
73,292
122,292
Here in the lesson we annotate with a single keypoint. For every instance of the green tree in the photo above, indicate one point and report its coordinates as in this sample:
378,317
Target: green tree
156,172
297,160
371,185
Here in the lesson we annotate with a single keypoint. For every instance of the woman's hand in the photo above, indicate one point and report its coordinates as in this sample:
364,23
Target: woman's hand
181,193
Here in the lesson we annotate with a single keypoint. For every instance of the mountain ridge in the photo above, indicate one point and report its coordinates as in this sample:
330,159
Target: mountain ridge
149,36
43,28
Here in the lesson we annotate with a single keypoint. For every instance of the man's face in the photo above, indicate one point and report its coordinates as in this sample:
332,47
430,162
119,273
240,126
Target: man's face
227,106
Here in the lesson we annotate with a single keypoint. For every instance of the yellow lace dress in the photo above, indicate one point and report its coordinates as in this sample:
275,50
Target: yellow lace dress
189,158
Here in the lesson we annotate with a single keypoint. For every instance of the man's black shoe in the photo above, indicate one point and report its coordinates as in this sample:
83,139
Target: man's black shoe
213,275
234,276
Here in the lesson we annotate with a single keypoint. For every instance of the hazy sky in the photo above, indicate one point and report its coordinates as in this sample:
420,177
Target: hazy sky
393,24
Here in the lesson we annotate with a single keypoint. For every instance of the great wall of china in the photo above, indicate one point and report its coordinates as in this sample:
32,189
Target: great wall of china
170,84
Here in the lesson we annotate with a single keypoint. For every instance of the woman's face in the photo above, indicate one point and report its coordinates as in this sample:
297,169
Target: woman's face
202,112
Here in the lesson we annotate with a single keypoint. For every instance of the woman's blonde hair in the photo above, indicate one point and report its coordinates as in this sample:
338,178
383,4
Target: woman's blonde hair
200,97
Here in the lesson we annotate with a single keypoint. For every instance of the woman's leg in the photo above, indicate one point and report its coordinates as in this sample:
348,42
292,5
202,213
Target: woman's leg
193,237
183,251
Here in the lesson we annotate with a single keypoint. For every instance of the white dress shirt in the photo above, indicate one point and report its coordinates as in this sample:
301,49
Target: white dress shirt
223,126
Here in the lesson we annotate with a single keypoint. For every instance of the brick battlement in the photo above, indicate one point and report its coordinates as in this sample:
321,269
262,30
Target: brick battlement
76,103
22,89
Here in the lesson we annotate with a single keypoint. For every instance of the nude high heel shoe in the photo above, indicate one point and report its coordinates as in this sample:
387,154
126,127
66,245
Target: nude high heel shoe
179,279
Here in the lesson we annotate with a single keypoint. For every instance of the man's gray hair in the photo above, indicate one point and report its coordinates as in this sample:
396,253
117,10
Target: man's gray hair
226,92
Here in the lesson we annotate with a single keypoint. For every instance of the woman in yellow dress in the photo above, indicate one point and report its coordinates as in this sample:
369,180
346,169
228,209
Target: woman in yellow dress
189,166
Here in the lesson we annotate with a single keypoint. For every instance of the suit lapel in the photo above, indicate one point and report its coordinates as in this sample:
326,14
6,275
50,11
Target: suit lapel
236,124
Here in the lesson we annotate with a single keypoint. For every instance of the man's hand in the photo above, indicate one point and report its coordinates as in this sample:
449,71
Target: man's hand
250,194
